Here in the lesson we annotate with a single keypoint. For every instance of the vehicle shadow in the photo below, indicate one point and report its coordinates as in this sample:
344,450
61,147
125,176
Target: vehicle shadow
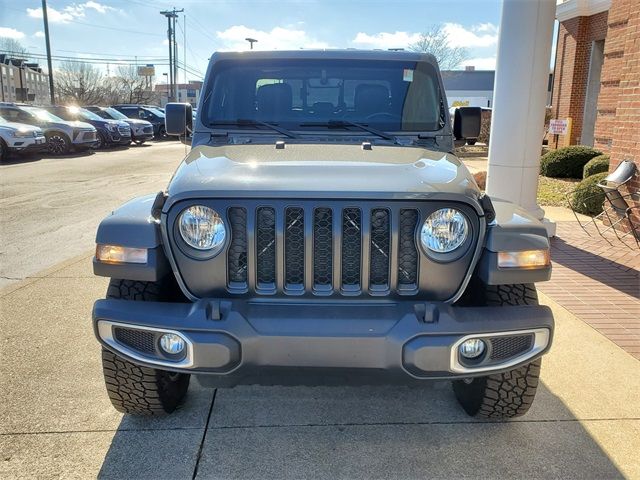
353,432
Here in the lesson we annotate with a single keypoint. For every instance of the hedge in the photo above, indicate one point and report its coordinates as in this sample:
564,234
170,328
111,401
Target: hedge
597,164
567,162
588,197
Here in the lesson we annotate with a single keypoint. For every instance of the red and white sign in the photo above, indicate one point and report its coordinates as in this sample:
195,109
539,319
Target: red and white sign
559,126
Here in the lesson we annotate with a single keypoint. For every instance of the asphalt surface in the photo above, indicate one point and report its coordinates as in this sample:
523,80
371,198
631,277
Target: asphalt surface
50,207
56,420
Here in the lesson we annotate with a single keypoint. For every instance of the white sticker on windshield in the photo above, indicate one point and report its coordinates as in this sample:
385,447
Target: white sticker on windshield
407,75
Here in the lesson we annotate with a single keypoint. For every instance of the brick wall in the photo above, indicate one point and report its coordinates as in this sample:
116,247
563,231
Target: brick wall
575,37
618,122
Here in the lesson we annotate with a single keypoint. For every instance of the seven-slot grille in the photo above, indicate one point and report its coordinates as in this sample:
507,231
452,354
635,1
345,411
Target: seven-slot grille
322,250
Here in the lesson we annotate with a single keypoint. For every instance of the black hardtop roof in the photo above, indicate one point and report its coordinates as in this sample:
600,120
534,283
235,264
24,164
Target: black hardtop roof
348,54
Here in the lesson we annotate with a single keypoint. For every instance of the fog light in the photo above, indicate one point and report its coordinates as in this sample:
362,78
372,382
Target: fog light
472,348
172,343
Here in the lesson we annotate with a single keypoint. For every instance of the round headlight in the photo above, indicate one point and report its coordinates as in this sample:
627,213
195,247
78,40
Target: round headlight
202,228
444,230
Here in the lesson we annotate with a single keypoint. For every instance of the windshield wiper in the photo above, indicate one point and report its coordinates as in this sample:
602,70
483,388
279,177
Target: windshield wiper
347,123
247,122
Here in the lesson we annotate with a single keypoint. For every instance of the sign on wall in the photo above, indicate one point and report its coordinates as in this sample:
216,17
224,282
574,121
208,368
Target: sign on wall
560,126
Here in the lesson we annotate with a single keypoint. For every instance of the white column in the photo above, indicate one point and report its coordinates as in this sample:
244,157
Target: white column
517,123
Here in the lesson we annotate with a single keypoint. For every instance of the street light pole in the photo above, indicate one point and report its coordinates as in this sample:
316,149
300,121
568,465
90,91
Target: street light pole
251,41
46,37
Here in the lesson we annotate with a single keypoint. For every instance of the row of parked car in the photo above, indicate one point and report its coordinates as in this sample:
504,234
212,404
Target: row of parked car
60,129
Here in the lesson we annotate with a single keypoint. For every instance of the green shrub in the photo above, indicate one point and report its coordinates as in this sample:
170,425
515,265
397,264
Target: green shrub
597,164
567,162
588,197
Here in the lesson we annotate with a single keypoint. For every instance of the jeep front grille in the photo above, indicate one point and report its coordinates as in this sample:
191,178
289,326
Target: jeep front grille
322,250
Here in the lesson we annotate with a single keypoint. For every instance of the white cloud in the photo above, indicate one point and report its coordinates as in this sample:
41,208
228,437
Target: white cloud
481,35
278,38
481,63
386,40
6,32
39,34
70,12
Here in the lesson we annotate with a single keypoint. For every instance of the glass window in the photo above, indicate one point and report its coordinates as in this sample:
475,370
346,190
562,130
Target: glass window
386,94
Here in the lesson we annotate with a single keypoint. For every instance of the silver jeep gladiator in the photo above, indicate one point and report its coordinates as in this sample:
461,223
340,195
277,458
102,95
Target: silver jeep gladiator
321,231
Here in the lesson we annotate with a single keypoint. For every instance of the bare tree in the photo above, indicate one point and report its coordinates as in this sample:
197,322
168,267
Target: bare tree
131,87
436,41
12,47
80,83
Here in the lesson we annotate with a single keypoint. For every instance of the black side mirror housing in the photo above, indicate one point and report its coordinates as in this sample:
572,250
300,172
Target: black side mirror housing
178,118
467,122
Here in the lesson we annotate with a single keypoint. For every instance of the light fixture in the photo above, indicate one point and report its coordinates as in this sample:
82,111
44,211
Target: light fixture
120,254
524,259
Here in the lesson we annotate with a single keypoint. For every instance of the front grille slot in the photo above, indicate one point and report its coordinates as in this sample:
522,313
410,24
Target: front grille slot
322,249
351,248
380,246
266,247
407,251
294,249
315,249
237,256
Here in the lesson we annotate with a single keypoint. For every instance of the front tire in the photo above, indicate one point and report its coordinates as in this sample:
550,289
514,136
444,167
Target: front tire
4,151
134,389
502,395
58,143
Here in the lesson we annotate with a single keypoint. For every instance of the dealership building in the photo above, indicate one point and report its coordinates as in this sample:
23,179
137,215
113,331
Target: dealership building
597,77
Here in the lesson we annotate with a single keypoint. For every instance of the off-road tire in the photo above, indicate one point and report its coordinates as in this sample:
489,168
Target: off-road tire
501,395
140,390
134,389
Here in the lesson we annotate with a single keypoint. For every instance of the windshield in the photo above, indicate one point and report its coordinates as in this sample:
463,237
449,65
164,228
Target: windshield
299,94
88,115
157,112
42,115
114,114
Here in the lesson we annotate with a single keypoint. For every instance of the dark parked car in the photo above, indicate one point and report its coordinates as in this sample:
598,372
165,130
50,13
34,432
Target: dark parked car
110,132
321,231
150,114
141,130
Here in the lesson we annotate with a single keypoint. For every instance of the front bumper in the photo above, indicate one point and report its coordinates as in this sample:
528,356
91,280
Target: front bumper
239,341
28,144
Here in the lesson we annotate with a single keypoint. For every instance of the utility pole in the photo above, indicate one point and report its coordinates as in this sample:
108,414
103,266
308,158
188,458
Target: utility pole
46,36
173,48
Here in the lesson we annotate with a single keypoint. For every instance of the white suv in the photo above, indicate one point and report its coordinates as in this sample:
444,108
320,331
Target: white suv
19,137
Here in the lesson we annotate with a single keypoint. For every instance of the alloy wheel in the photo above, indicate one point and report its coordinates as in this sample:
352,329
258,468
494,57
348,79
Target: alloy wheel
57,144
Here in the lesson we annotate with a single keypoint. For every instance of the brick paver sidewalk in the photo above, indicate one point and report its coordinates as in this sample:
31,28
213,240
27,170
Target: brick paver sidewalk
598,282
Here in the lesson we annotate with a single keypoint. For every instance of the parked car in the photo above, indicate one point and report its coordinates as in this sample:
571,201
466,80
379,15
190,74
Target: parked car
321,231
18,137
141,130
110,132
62,135
152,115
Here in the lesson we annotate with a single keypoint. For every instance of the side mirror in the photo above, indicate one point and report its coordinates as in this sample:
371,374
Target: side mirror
178,118
467,122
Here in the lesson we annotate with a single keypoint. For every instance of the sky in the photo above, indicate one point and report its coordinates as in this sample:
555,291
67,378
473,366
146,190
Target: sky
109,32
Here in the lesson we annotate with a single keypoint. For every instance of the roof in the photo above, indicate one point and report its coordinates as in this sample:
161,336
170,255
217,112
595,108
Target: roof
480,80
348,54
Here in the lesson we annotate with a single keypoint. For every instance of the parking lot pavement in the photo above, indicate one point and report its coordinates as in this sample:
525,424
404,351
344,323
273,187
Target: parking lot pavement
56,421
50,207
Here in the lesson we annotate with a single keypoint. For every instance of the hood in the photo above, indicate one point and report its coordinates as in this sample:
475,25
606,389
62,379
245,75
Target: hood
20,126
321,171
72,123
138,122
